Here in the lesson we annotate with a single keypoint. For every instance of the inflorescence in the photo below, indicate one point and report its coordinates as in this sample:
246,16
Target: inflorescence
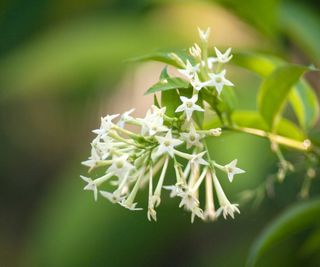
130,160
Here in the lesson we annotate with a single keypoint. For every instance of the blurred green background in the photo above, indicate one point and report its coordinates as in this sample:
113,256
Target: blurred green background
63,65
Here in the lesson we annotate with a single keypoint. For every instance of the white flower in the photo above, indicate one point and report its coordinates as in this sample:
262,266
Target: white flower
158,112
120,166
189,70
93,159
106,124
192,138
90,186
223,58
93,184
197,84
195,51
189,105
114,197
132,206
125,117
204,34
191,203
231,169
198,160
218,81
226,208
167,144
153,122
175,190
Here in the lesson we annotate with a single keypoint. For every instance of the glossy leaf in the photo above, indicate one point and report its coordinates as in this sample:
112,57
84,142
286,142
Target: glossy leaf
275,89
296,218
167,83
171,100
252,119
302,97
165,57
305,104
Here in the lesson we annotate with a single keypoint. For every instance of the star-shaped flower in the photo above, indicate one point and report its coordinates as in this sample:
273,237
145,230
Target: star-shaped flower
167,144
223,57
226,208
189,70
219,80
90,186
120,166
189,105
197,84
106,124
231,169
198,160
204,34
192,138
191,203
153,122
125,117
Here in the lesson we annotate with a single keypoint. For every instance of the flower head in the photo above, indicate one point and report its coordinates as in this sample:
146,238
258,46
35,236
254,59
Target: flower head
106,124
120,166
189,70
125,117
192,138
167,144
218,81
189,106
231,169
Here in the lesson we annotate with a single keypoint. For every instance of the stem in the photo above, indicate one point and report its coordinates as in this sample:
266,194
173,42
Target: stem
298,145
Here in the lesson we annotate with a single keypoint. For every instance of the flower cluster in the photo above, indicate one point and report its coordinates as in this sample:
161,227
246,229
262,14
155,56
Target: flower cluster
130,160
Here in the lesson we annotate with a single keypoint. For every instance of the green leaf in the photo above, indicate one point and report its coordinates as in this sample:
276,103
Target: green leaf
302,25
261,64
305,104
296,218
275,89
166,57
302,97
171,100
167,83
252,119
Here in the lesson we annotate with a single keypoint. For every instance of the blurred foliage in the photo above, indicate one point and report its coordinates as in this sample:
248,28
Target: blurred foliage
58,61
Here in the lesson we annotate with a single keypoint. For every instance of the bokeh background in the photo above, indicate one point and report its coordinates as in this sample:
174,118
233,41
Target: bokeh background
63,64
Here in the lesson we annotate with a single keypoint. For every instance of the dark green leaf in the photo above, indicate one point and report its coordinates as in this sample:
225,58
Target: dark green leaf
171,100
296,218
275,89
302,25
168,84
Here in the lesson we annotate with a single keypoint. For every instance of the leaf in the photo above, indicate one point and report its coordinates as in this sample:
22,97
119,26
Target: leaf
261,64
166,57
296,218
302,97
275,89
305,104
252,119
171,100
167,83
302,25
